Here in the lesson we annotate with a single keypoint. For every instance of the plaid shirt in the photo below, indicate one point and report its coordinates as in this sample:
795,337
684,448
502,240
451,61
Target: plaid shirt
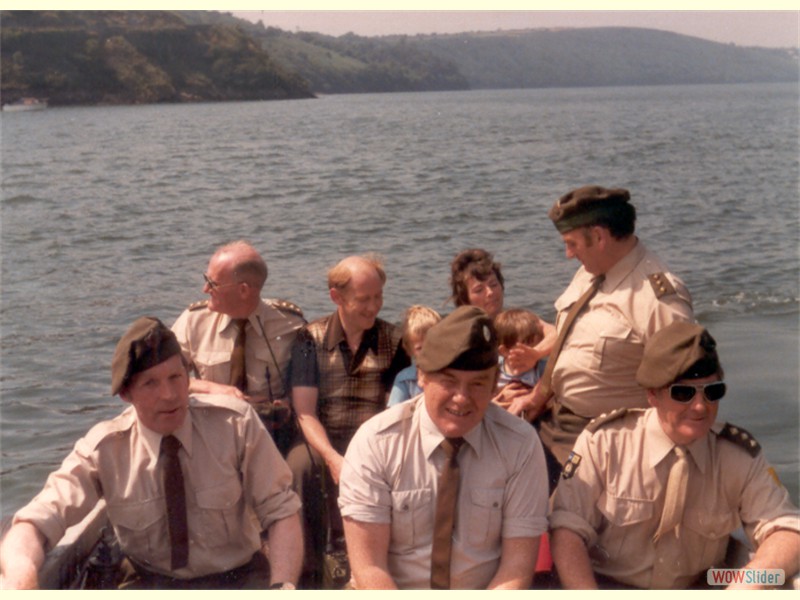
352,388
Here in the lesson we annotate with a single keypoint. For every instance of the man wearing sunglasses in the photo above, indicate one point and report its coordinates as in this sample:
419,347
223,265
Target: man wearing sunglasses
648,498
235,318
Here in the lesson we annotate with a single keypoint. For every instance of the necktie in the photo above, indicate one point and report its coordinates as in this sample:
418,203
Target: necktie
445,516
545,386
176,502
675,496
238,367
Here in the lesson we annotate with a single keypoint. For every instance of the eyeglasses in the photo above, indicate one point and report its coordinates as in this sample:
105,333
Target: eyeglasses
684,393
213,285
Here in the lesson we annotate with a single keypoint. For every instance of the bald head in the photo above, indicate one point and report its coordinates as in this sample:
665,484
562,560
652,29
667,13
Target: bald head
358,267
243,262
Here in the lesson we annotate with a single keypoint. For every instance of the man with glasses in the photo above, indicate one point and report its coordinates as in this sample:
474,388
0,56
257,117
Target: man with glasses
238,343
648,498
620,296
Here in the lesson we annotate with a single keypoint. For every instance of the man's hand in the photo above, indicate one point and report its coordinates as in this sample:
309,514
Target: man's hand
521,400
201,386
334,463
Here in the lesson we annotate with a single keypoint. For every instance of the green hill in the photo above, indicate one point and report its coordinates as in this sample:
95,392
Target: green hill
115,57
133,57
604,56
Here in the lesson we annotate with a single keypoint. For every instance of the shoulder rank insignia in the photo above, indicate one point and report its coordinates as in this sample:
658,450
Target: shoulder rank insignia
615,414
198,305
741,438
285,306
571,465
661,285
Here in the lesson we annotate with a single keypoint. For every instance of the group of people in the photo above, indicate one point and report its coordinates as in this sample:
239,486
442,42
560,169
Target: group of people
256,441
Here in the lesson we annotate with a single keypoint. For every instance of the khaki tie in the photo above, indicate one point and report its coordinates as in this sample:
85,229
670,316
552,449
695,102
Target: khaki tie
176,502
445,516
238,367
675,496
545,385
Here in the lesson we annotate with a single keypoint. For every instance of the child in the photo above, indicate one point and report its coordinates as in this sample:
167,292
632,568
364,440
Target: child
518,326
416,322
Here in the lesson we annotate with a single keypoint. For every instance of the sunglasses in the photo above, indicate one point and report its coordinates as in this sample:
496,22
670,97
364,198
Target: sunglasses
684,393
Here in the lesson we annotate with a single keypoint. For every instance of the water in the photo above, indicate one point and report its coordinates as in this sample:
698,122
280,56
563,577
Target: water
112,213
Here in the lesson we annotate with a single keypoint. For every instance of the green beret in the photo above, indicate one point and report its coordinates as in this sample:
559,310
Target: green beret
586,206
147,343
464,340
678,351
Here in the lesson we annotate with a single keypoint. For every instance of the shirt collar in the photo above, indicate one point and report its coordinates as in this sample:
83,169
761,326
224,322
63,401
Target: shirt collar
152,440
334,335
623,268
432,437
659,445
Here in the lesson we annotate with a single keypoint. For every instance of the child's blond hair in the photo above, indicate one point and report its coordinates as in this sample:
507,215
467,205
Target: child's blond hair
416,321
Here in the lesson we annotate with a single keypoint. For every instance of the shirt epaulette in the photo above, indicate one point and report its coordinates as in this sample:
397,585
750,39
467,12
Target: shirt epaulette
119,424
741,438
285,306
597,422
198,305
661,285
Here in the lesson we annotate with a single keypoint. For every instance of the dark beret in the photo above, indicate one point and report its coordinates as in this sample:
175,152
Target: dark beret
585,206
464,340
147,343
678,351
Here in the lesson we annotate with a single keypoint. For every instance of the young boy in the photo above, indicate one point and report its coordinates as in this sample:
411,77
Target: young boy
416,323
518,326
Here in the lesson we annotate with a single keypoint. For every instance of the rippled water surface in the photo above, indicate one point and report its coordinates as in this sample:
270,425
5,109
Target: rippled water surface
111,213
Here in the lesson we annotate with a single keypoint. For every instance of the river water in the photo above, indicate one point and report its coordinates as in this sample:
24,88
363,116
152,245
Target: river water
109,213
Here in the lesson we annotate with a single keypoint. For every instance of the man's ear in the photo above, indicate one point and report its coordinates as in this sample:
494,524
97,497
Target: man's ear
124,396
336,297
651,397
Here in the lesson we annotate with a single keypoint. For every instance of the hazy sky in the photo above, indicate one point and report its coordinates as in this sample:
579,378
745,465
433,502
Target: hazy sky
773,28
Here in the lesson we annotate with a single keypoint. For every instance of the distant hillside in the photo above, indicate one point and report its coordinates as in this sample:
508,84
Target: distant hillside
116,57
132,57
350,63
603,56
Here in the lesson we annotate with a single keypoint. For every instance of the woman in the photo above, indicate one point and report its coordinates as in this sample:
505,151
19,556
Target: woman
477,280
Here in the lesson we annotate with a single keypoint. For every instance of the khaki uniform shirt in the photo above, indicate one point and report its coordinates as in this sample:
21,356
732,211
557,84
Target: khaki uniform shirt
390,475
595,372
613,497
236,484
207,338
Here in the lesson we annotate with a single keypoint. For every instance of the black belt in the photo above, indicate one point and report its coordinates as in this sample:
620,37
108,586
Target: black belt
137,576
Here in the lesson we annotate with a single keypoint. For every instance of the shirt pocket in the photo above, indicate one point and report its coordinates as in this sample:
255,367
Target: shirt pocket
412,518
623,515
485,516
210,363
615,350
710,531
141,528
220,513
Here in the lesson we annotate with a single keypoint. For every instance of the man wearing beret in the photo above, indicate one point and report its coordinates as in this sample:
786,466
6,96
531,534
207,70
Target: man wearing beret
620,296
189,484
648,498
447,490
239,343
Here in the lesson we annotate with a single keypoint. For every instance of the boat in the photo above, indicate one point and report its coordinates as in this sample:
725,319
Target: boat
24,104
88,557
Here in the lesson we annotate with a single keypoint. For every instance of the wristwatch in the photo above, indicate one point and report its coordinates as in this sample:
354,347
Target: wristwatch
283,585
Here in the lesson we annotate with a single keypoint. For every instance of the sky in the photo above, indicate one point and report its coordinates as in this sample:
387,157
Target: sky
744,28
